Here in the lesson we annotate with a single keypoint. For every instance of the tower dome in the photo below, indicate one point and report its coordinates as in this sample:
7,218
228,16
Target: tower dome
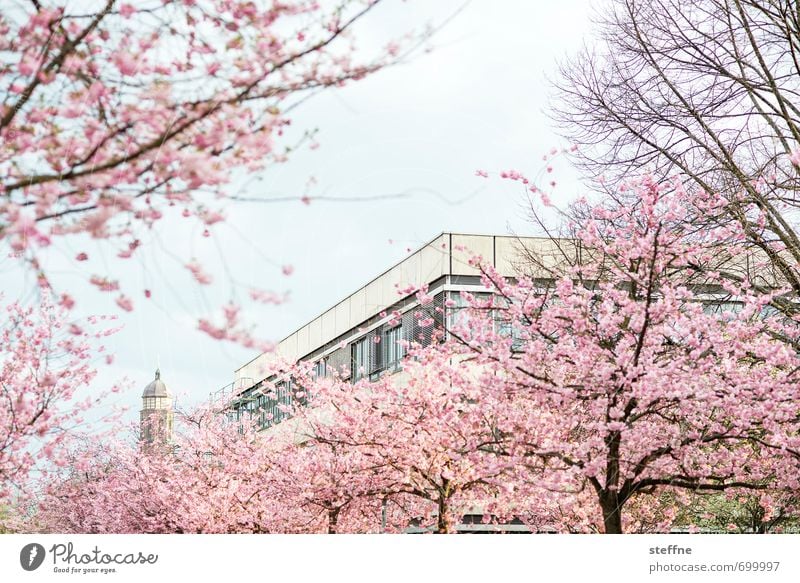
156,388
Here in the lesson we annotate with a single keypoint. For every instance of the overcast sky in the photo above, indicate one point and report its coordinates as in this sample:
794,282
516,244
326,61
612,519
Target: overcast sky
477,100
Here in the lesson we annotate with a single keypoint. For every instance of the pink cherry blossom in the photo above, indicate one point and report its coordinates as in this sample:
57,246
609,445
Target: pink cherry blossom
124,302
199,274
101,136
44,397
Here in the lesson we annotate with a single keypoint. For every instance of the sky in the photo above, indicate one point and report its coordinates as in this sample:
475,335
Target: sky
409,137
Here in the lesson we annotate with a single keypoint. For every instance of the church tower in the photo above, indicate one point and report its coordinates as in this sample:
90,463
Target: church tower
157,416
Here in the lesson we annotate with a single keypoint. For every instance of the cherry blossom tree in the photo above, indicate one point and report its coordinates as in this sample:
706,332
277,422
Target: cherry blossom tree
215,477
744,512
705,89
116,113
219,475
325,488
625,376
408,451
600,400
46,361
424,437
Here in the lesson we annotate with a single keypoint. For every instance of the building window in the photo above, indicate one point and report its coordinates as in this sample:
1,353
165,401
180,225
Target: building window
280,402
360,358
300,395
509,329
460,313
286,399
394,348
718,307
320,369
506,324
155,403
261,406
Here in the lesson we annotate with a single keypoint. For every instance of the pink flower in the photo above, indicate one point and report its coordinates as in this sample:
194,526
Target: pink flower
287,270
95,92
211,217
199,274
125,303
104,284
125,62
126,10
210,329
267,297
28,65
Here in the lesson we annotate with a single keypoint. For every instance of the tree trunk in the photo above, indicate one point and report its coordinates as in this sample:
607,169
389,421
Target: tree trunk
612,513
442,526
333,518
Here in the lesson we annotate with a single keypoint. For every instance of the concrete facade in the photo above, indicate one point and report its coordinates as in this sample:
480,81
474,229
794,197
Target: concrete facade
443,264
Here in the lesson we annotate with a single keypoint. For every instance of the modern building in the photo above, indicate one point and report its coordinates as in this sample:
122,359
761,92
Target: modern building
157,416
359,336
